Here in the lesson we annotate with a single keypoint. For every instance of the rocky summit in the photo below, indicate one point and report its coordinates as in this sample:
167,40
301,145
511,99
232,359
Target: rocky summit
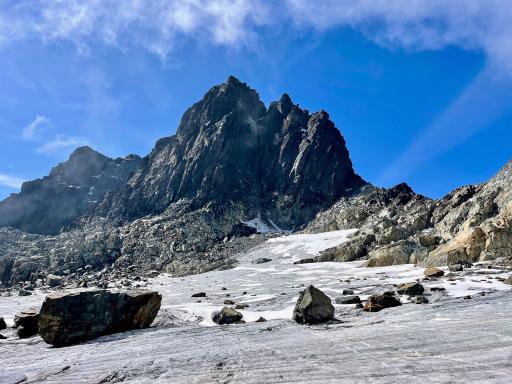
51,204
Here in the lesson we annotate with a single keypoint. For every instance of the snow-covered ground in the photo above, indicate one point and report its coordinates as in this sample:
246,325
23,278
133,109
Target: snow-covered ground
447,341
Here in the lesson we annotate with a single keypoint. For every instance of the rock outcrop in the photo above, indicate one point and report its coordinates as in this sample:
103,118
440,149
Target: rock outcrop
69,318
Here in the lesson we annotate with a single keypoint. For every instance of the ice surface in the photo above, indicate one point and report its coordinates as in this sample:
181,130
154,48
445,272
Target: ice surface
450,340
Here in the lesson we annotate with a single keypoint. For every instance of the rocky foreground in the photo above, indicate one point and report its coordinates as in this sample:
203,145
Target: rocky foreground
455,328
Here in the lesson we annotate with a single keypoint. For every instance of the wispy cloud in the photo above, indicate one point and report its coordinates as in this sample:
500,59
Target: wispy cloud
60,142
34,127
10,181
161,25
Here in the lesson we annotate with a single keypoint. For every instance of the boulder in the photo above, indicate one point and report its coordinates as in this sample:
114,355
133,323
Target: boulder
24,292
229,302
410,289
53,280
199,294
227,316
308,260
433,272
421,300
376,303
3,325
69,318
348,291
313,307
348,300
26,323
508,280
262,260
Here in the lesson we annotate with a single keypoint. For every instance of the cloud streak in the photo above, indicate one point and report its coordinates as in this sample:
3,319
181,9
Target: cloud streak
35,126
10,181
60,142
484,101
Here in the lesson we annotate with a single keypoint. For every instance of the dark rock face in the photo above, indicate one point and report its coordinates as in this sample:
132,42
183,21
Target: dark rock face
376,303
313,307
281,163
69,318
26,323
3,325
50,204
227,316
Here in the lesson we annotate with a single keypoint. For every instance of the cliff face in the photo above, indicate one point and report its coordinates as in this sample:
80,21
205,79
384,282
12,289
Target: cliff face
281,163
51,204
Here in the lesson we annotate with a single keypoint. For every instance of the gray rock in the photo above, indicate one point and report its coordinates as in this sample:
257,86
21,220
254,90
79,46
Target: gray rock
508,280
433,272
69,318
421,300
308,260
376,303
26,323
227,316
54,280
199,294
313,307
3,325
262,260
410,289
24,292
347,300
348,291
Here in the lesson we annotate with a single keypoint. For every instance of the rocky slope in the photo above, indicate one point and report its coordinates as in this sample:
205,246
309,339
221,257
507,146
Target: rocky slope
472,223
49,205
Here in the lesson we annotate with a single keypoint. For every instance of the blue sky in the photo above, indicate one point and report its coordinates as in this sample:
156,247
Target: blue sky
420,90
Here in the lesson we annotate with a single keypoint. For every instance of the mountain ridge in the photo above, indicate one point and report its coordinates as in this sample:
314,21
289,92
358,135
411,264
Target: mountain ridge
233,168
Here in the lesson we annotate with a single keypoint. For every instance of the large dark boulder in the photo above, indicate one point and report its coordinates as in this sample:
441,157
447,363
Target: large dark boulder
313,307
26,323
69,318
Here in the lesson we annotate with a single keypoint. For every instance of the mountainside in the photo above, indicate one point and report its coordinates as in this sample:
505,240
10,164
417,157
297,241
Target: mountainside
281,163
235,169
50,204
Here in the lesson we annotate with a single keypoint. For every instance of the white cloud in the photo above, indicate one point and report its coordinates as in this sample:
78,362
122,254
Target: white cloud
160,25
10,181
60,142
155,25
482,25
35,126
